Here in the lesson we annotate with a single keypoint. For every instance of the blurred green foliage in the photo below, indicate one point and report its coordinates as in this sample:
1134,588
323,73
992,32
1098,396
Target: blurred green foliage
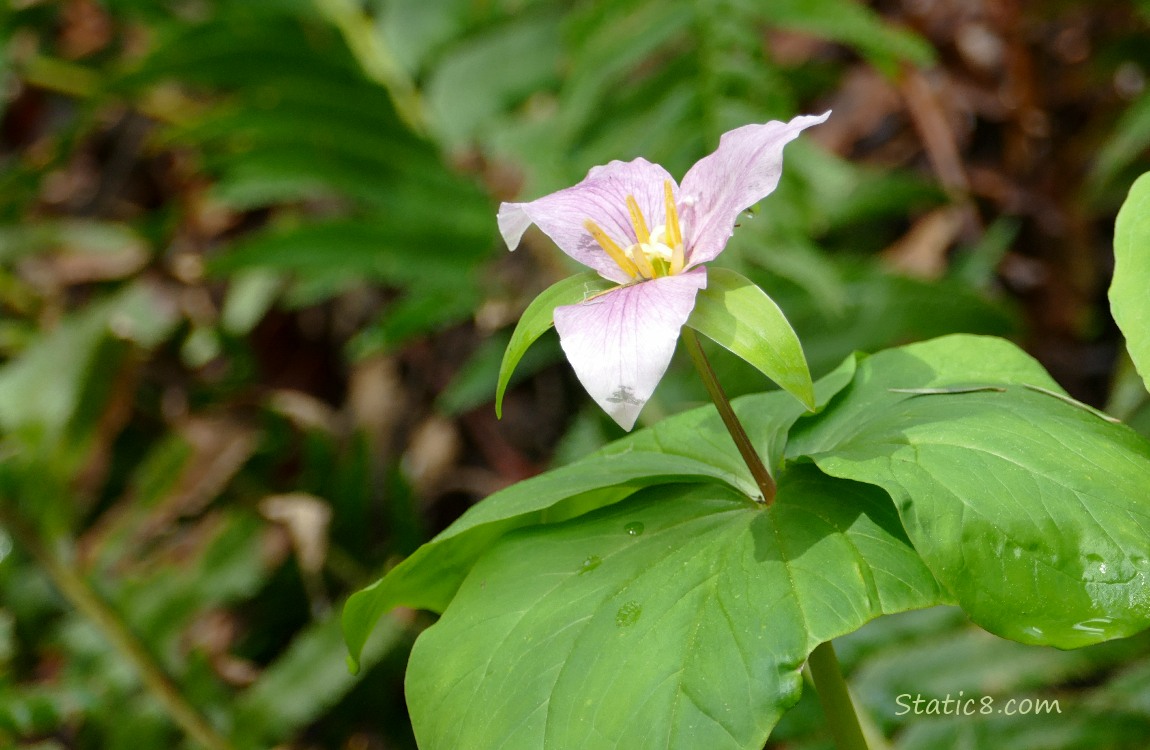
252,302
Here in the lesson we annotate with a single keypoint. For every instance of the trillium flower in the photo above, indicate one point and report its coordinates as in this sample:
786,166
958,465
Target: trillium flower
632,224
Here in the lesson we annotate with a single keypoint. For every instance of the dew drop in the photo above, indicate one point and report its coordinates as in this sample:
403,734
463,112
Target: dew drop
628,614
634,528
592,562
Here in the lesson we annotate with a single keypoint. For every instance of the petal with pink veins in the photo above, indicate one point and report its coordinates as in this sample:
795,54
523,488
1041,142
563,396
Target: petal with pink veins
600,197
621,342
743,170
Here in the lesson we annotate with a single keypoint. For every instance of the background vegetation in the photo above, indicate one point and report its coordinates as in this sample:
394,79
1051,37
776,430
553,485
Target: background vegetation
252,304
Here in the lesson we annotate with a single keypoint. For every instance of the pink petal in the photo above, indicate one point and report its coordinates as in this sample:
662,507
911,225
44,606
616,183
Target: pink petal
600,197
743,170
621,342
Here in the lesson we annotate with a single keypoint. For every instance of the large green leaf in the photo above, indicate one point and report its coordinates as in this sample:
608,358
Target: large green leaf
736,314
679,618
430,577
693,446
1030,508
1129,297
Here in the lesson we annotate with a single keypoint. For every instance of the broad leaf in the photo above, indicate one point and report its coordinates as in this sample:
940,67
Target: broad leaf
1129,293
679,618
1030,508
736,314
430,577
537,318
693,446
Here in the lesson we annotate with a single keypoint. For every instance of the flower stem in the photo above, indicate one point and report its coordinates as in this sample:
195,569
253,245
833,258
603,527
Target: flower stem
823,664
835,698
734,426
86,601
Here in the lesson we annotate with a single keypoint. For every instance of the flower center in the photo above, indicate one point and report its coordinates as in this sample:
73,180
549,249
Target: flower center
654,253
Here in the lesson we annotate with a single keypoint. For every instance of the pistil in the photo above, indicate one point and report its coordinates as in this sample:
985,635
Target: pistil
642,260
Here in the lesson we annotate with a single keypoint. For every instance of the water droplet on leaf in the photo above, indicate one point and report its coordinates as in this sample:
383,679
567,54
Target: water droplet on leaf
628,614
634,528
592,562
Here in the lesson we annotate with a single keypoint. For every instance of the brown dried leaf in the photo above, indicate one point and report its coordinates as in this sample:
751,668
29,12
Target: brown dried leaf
921,252
434,448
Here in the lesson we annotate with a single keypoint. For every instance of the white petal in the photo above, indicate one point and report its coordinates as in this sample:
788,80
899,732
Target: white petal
513,222
743,170
621,342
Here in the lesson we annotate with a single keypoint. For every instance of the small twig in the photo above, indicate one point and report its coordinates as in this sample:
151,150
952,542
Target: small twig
1073,402
937,137
939,141
945,391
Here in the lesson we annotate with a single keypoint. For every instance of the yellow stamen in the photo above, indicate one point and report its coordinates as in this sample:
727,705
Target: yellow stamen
674,236
639,255
674,231
613,250
642,235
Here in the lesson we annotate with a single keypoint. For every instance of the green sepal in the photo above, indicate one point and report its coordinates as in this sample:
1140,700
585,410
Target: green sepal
739,316
538,317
